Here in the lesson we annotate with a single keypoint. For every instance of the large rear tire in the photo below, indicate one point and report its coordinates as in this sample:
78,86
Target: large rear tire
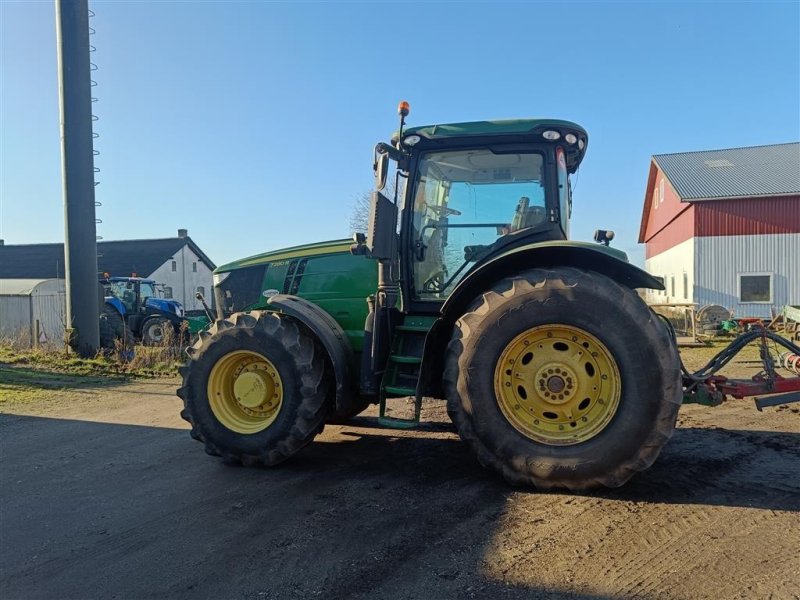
255,390
113,328
562,378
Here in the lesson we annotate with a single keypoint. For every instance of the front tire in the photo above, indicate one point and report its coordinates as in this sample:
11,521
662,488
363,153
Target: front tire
562,378
154,331
254,390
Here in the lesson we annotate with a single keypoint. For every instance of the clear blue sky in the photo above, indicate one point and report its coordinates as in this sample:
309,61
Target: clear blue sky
252,124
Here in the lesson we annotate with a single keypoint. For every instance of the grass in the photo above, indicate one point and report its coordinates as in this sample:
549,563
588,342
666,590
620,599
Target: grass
26,372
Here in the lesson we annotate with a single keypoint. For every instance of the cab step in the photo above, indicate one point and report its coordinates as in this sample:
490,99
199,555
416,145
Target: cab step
396,390
399,422
412,328
406,360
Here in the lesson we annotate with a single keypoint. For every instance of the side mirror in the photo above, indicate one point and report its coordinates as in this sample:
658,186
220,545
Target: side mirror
382,227
381,168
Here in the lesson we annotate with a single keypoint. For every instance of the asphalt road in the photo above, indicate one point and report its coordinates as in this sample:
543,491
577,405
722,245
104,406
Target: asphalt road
104,495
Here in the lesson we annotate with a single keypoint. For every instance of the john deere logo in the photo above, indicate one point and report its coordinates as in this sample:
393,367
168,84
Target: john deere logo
269,293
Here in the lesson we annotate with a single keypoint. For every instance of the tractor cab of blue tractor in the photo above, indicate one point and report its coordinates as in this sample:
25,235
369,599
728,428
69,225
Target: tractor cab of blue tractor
139,303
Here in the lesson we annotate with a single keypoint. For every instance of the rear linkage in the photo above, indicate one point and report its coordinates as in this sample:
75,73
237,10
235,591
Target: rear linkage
704,387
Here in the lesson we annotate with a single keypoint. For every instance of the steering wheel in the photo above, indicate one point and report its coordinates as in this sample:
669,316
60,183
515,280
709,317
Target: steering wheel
435,282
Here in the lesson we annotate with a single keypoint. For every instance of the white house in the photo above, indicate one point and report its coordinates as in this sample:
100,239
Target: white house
176,263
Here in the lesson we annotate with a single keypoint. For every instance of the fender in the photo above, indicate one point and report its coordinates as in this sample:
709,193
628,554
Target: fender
117,304
610,262
331,336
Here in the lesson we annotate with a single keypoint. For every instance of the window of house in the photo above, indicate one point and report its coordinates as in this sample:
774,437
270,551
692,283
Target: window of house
755,287
672,286
174,266
194,267
685,286
167,292
201,290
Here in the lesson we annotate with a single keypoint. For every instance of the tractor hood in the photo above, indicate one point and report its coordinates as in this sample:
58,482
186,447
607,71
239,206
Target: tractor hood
164,305
273,256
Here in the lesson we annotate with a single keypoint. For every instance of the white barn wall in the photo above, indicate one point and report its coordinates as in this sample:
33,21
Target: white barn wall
673,262
184,281
720,259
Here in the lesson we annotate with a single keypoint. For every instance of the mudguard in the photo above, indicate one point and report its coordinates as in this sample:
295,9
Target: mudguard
331,336
560,253
117,304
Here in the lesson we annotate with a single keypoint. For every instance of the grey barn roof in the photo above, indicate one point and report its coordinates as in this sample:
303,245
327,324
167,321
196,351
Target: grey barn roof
115,257
735,172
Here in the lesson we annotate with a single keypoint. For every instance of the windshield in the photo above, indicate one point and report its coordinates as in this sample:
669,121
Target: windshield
146,290
465,203
126,292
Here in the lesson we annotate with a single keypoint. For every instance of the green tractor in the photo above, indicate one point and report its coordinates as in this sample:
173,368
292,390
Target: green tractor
465,287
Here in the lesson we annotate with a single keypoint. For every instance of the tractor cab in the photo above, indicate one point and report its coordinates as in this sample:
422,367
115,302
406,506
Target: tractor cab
476,190
466,193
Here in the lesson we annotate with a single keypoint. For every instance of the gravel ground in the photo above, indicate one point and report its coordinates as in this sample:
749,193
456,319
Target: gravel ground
104,495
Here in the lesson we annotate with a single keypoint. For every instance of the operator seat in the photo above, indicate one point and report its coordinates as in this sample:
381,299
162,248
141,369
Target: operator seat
526,215
128,299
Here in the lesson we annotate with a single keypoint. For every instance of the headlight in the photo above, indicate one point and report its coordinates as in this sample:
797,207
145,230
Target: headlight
218,278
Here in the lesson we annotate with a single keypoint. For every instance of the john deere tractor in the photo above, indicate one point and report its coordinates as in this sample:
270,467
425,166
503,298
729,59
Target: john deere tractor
465,287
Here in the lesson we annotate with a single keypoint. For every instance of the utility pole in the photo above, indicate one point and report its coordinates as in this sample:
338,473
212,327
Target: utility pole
77,166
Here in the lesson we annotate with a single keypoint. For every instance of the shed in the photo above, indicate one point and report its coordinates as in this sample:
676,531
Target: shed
723,227
31,308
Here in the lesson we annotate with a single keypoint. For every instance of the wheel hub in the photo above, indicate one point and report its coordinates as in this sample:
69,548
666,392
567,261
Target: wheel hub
251,389
245,391
557,384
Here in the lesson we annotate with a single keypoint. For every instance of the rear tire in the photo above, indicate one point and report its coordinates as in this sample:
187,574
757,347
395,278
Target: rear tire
593,314
113,328
237,430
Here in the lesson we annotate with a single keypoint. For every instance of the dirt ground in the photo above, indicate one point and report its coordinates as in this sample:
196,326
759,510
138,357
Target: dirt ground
104,495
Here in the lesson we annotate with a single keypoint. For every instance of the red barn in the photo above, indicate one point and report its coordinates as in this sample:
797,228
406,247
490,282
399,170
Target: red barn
723,227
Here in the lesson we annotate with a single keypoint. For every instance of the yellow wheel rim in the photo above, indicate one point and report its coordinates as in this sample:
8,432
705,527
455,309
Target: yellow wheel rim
557,384
245,391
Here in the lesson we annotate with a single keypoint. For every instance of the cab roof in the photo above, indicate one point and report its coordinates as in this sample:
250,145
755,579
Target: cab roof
509,127
501,127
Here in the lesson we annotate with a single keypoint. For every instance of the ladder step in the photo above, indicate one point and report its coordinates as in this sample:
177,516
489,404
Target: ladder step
406,360
398,422
412,328
397,390
395,423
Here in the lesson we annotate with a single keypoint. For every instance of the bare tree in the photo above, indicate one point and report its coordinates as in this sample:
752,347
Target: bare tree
359,213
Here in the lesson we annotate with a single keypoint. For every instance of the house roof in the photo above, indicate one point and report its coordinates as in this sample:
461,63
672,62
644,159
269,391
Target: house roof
772,170
115,257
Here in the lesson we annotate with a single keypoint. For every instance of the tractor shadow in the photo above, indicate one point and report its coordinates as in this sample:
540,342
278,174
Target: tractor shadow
714,467
97,510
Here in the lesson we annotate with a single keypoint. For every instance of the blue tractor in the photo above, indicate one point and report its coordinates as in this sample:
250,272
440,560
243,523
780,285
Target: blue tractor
133,310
